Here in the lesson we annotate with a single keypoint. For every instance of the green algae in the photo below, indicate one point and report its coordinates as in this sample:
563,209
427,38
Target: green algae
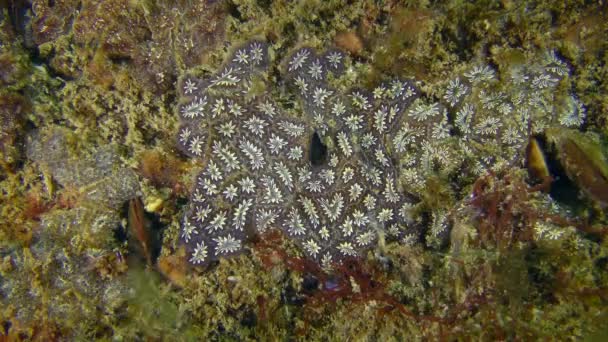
88,82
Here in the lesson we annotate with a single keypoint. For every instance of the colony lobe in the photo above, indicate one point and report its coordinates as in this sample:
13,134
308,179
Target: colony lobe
258,173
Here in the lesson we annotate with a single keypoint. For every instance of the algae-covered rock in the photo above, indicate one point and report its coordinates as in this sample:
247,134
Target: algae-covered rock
99,176
150,40
12,108
15,67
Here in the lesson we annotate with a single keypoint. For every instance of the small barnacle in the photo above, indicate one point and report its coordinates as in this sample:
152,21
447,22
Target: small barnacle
310,210
354,122
267,108
189,87
464,118
188,230
298,60
256,125
488,126
312,248
227,129
184,135
319,96
291,129
272,193
555,65
314,186
334,59
359,218
226,245
284,174
213,171
295,153
226,155
241,57
543,81
230,192
240,214
344,144
195,108
265,218
369,202
333,209
355,191
338,108
227,78
300,82
276,144
195,145
380,118
235,109
253,153
455,91
200,214
379,92
385,215
294,224
218,108
366,238
422,111
315,70
573,113
360,101
347,249
199,254
368,140
480,74
247,185
218,222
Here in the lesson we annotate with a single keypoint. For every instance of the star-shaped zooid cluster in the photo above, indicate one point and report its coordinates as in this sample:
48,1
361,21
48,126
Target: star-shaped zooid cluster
259,173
